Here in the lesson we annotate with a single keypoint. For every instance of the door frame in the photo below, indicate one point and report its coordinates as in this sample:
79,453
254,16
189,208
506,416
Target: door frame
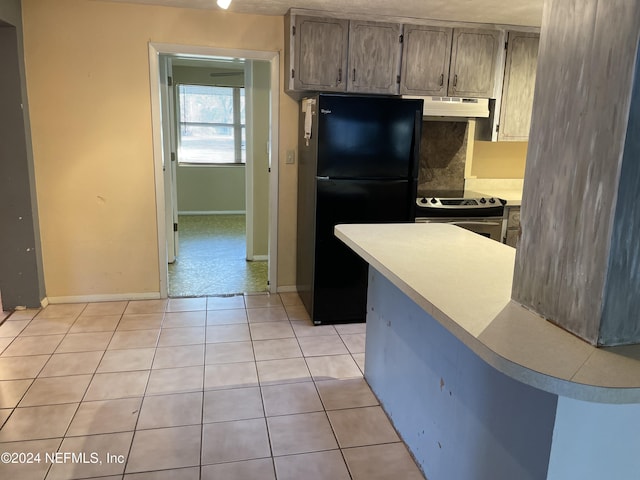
168,145
157,49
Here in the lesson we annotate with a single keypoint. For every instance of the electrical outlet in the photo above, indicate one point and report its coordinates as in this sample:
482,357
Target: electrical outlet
291,157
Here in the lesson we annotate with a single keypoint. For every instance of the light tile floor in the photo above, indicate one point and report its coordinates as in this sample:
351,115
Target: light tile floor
240,387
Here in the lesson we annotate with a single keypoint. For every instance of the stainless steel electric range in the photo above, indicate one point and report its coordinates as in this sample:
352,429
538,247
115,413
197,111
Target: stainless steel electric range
481,214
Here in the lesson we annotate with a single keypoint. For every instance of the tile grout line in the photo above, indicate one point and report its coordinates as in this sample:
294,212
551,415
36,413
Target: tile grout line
144,394
264,410
64,436
202,415
326,414
315,384
13,409
259,384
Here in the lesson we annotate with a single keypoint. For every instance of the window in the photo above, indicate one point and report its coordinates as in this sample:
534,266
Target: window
212,125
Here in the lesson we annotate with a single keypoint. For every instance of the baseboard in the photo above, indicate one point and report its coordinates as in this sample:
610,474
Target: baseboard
287,288
110,297
44,302
213,212
258,258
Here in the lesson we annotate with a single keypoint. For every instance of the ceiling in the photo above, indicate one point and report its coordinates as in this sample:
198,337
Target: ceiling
508,12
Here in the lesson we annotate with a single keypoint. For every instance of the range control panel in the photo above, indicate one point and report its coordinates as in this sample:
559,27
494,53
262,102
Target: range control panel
432,207
482,202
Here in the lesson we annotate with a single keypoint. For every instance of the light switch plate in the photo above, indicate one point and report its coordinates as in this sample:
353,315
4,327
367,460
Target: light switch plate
291,157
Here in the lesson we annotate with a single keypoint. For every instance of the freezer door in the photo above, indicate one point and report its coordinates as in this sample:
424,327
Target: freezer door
340,276
367,137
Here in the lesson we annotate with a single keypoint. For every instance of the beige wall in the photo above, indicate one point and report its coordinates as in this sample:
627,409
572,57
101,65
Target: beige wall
88,81
211,189
499,159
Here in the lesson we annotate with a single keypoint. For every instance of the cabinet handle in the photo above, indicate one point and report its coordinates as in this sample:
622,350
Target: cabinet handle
441,79
339,75
455,80
354,74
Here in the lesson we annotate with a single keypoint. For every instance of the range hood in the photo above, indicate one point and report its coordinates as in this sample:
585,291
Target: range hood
454,107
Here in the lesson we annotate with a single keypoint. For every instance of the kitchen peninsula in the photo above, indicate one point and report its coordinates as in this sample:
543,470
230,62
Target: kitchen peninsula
477,386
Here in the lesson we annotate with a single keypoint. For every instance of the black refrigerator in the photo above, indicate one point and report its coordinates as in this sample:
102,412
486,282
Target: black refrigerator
358,163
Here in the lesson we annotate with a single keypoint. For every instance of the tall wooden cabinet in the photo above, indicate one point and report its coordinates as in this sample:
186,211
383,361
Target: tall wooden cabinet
519,84
425,60
473,63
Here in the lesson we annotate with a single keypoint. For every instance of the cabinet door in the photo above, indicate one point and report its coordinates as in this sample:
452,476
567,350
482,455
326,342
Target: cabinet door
512,238
320,62
513,226
425,60
519,83
374,57
473,62
513,217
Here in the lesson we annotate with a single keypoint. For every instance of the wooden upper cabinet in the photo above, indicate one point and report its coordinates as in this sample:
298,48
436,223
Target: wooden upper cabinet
319,53
374,57
425,60
519,84
327,54
473,62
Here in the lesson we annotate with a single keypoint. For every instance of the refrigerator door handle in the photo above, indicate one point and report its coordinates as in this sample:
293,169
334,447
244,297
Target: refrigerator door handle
321,178
417,135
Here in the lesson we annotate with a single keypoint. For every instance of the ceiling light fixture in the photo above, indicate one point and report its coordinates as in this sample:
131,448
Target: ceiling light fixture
224,3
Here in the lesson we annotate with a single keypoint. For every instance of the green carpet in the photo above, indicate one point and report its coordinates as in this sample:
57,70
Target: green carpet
212,258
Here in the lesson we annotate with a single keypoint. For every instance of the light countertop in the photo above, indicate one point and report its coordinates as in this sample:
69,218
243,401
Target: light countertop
464,281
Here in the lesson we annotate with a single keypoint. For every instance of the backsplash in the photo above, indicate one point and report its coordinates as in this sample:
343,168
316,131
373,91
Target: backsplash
498,159
443,150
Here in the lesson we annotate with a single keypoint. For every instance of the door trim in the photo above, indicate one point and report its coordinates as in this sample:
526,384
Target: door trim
157,49
249,165
169,167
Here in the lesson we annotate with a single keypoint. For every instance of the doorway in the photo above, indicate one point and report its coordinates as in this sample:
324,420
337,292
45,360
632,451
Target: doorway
216,183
